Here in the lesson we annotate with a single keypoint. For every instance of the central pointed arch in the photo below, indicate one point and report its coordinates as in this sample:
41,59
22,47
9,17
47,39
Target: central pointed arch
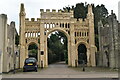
68,40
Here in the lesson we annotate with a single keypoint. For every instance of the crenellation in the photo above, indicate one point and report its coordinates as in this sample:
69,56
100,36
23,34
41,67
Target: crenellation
81,20
41,10
54,10
38,19
47,10
32,19
26,19
59,11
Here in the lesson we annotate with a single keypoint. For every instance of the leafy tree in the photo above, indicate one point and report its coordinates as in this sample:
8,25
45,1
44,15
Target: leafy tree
32,46
100,13
33,50
80,11
56,47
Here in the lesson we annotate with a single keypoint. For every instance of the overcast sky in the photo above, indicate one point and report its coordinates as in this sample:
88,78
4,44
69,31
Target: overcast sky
32,7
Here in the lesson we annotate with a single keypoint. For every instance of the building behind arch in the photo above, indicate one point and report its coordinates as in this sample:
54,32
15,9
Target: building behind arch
109,42
8,56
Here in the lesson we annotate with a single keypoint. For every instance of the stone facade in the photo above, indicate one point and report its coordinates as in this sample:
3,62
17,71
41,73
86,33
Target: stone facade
109,42
10,57
8,46
77,32
119,46
3,30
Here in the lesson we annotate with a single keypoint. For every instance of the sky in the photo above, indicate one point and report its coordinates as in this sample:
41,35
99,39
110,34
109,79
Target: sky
32,7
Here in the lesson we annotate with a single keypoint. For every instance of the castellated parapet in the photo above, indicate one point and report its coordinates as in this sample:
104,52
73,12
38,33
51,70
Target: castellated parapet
55,15
32,19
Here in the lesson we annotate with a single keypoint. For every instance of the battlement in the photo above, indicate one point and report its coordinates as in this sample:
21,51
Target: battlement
55,14
81,21
32,19
53,11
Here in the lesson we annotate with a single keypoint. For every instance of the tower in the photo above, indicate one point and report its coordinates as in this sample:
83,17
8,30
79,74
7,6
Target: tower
22,32
90,17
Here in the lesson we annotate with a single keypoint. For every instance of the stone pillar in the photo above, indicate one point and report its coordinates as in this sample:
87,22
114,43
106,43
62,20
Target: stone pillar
3,35
46,52
42,46
88,57
100,27
92,56
4,25
77,54
72,46
90,17
69,54
26,51
22,35
38,55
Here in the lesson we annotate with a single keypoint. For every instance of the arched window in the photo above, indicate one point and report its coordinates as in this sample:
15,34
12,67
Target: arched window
85,33
68,25
75,34
63,25
60,25
80,33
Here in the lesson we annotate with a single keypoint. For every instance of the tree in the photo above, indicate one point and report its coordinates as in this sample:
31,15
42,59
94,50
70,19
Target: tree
80,11
33,50
57,47
100,13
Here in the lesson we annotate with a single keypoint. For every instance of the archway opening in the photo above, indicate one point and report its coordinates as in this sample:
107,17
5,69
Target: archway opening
82,54
57,44
33,50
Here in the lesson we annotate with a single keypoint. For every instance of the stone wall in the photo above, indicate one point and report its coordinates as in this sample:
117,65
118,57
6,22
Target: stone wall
119,45
7,42
3,26
10,57
108,42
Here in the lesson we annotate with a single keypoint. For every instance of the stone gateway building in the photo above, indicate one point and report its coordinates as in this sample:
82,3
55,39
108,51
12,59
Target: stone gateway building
36,31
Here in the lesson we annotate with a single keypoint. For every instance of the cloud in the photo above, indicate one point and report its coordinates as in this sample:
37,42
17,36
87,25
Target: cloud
32,7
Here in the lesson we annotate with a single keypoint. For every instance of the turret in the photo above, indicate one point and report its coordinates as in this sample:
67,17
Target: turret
22,9
90,14
93,49
22,22
22,34
22,13
90,17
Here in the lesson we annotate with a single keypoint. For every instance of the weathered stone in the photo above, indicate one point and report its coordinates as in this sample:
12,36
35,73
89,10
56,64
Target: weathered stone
8,46
77,32
109,42
3,26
